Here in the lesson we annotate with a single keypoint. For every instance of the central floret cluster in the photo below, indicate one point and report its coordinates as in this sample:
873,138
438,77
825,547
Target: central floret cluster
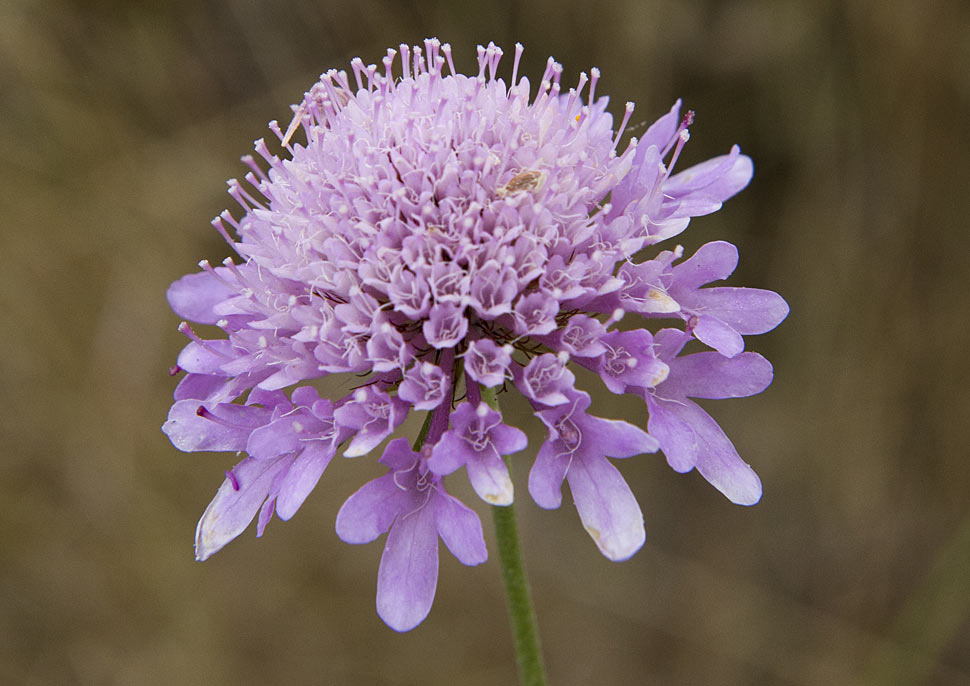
444,237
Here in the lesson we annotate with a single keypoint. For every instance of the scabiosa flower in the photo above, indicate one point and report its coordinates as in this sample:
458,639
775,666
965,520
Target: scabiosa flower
442,237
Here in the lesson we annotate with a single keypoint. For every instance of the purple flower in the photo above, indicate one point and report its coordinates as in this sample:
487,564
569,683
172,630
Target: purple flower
289,447
628,361
477,440
576,450
424,386
411,502
372,415
486,362
431,235
546,380
688,435
719,317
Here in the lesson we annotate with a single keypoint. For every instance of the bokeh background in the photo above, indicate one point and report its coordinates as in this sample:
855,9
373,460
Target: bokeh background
120,121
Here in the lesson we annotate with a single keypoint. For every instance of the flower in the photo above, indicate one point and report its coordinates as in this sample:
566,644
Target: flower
478,441
439,235
576,451
411,502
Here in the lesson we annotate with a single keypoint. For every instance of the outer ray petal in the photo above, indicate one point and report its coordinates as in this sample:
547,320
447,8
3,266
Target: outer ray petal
490,478
371,510
449,454
711,375
460,529
302,478
607,508
712,261
674,434
236,503
408,575
617,438
689,436
547,474
718,335
190,432
750,311
194,295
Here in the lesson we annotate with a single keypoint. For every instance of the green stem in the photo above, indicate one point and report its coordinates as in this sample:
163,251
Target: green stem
423,433
522,616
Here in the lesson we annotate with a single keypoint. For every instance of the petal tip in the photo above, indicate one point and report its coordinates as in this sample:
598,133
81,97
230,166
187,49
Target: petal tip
618,548
500,499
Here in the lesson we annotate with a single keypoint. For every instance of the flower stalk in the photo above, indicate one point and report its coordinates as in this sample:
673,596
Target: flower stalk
518,596
522,616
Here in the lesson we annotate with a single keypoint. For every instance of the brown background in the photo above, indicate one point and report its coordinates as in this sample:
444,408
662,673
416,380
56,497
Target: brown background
119,123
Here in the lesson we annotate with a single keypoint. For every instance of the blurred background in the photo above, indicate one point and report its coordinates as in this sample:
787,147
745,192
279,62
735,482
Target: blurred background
120,123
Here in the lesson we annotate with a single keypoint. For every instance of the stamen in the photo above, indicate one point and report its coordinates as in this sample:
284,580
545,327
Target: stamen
221,228
186,330
233,480
388,63
398,483
203,412
481,61
686,121
251,163
549,78
576,94
515,63
294,123
418,64
550,67
627,112
431,46
556,74
371,76
405,60
682,139
446,49
231,266
494,60
342,83
263,150
254,181
274,126
240,195
357,65
594,76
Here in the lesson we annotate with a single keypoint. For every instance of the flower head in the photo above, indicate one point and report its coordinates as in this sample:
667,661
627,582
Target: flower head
436,234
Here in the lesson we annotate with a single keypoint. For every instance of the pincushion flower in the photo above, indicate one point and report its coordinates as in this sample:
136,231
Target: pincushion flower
439,239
